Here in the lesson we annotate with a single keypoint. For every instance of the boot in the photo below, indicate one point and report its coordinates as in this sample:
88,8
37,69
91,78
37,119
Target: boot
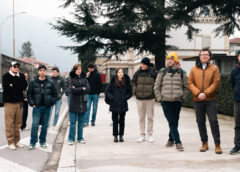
121,139
218,149
115,139
204,147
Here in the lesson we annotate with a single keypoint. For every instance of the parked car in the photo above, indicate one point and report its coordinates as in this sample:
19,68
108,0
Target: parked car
1,96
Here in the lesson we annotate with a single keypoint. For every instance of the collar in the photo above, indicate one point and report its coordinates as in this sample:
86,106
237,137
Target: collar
13,74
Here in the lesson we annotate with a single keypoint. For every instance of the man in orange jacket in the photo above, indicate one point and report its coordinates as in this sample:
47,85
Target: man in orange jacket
203,81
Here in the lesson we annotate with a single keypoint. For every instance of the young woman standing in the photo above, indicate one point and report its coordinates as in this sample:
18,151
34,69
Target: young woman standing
118,92
78,87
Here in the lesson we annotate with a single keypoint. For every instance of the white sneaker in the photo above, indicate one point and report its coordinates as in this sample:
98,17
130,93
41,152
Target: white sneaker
26,128
141,139
82,141
19,145
12,147
70,142
150,139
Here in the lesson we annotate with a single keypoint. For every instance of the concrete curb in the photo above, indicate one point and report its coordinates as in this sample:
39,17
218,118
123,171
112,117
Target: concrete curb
62,125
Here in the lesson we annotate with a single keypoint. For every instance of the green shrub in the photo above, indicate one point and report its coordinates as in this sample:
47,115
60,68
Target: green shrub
224,97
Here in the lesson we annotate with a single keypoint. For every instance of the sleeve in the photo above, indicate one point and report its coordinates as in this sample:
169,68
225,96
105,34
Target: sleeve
63,86
215,84
185,86
108,92
158,85
191,84
54,93
129,90
134,83
30,94
80,90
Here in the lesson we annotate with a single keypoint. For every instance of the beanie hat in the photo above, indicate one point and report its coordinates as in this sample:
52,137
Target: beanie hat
174,56
146,61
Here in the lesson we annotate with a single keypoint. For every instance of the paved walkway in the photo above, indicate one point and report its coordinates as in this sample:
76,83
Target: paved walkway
101,154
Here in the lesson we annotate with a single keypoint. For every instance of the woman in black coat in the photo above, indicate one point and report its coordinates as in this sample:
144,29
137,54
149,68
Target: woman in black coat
118,92
78,87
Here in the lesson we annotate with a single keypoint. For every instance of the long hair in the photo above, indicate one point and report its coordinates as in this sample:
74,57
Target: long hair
117,82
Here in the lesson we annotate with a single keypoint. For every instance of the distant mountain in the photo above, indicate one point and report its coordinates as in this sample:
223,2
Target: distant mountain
45,41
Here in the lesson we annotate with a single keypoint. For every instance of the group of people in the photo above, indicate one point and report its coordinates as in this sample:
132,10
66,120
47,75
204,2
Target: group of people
169,86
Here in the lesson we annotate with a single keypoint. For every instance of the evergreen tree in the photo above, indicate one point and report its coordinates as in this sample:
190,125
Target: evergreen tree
117,25
26,50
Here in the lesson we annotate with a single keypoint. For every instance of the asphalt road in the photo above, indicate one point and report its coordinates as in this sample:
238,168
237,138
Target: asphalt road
22,159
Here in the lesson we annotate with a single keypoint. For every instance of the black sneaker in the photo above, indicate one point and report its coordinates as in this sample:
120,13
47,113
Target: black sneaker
235,150
93,124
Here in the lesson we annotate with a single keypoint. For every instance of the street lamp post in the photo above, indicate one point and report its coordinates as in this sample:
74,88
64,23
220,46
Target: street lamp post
1,25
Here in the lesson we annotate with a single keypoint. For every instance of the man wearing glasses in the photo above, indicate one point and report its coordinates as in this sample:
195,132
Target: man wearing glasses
204,80
14,84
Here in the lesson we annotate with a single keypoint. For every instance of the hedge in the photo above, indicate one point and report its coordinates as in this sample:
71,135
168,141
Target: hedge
224,97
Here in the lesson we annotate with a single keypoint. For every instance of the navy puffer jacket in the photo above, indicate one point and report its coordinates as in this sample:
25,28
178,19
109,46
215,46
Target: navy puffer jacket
235,81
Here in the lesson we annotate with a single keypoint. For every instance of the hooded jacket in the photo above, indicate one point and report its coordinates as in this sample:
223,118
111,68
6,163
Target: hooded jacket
118,96
204,81
78,98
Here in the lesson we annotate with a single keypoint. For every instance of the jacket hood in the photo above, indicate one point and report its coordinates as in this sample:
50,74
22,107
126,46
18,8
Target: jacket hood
126,77
73,74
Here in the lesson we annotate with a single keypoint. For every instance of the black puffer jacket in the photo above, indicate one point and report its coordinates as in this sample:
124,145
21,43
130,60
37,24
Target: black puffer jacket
78,100
34,93
118,96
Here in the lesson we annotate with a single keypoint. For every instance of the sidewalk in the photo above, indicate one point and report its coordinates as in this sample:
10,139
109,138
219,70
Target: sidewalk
101,154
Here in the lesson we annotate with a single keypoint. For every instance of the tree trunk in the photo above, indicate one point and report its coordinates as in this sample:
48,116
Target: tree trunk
160,51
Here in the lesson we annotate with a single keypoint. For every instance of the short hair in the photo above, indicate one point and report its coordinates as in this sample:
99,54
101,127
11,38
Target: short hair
206,49
91,65
75,67
42,67
55,68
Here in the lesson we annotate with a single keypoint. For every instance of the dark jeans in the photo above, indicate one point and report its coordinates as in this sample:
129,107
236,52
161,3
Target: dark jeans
171,111
201,108
73,118
118,119
237,123
24,115
42,113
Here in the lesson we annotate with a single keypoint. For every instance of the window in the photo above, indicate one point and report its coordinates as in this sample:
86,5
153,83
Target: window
206,42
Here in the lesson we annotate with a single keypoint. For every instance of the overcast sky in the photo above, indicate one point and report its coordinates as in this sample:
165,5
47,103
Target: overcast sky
33,26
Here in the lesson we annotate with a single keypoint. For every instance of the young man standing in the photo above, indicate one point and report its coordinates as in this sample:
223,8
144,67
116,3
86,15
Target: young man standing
235,81
143,87
95,83
14,84
42,94
204,80
170,90
25,108
60,85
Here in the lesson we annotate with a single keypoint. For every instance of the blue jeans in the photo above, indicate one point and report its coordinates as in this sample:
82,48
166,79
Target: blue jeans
39,112
171,111
91,99
74,117
57,110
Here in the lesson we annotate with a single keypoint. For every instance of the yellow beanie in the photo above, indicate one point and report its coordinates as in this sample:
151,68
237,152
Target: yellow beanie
173,55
